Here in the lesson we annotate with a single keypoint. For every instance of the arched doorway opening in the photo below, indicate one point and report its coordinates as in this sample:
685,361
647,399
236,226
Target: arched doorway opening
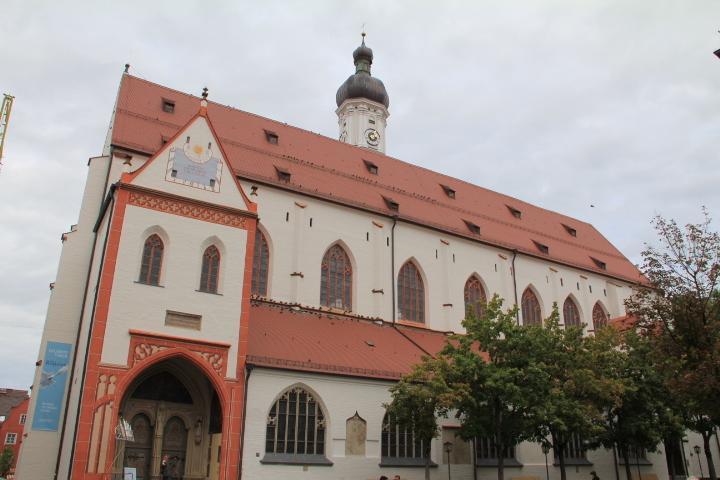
176,418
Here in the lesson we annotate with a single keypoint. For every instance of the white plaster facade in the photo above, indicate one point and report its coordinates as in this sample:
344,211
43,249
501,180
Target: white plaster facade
358,118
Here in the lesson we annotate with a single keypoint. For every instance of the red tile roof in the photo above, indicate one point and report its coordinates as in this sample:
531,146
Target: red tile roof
332,170
295,338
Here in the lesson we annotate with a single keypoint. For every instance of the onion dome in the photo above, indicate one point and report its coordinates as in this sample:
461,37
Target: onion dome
362,84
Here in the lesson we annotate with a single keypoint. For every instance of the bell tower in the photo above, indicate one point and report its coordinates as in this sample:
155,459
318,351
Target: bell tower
363,103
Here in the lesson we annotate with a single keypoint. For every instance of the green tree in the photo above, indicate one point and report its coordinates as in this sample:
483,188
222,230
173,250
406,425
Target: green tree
680,313
643,415
6,459
500,382
577,394
419,398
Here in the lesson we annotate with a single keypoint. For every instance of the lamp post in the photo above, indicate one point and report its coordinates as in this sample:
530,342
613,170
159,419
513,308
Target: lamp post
696,448
448,448
546,450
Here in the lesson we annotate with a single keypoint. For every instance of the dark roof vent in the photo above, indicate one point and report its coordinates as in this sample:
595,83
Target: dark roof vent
371,167
271,137
599,263
472,227
570,230
168,105
543,248
282,174
448,191
391,204
514,211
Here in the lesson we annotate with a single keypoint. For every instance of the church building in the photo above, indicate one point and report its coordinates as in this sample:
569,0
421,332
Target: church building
239,294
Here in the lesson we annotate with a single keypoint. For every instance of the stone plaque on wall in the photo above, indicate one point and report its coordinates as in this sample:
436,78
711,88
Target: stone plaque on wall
355,435
183,320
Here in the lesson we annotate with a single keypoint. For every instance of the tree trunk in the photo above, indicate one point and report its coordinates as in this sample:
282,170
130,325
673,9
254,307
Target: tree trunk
625,452
708,455
427,459
501,464
561,460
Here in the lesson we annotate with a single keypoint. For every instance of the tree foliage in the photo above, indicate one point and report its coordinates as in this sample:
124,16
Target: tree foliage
680,313
6,459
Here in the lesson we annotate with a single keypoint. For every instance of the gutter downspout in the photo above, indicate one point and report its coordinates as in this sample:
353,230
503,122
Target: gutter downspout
392,266
79,329
517,313
248,370
110,199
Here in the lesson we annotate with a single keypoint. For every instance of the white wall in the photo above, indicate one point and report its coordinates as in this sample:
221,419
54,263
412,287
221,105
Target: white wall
341,397
298,247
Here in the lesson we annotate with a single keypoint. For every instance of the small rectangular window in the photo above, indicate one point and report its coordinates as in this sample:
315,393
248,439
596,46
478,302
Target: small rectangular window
599,263
164,139
271,137
283,174
472,227
514,211
448,191
543,248
370,120
570,230
173,173
23,418
391,204
168,105
10,439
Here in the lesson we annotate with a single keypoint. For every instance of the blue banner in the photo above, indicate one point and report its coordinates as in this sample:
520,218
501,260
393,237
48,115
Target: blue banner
51,388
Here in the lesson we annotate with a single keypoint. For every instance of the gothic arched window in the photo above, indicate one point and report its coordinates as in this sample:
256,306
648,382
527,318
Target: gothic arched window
600,318
336,279
261,261
151,260
530,308
210,270
475,298
399,441
411,294
571,314
295,425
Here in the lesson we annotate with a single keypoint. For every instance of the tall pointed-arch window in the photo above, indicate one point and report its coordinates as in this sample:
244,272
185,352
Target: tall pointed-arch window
151,260
295,427
600,318
411,294
336,279
530,308
399,442
475,298
571,314
261,261
210,270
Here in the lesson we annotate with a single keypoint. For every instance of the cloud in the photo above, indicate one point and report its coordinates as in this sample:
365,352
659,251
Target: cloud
559,103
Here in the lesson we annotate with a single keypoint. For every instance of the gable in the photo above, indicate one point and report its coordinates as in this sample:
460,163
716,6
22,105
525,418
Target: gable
192,164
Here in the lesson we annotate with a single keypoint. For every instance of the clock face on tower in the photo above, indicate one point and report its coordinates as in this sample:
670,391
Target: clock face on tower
372,137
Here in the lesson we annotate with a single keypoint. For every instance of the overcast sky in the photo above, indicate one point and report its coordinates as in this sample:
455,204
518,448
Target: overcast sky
559,103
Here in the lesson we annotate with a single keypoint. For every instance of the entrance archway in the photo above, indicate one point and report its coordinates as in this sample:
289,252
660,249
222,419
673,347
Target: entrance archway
176,418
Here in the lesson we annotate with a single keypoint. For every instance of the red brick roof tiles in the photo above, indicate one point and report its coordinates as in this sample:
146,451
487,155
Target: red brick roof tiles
312,341
336,171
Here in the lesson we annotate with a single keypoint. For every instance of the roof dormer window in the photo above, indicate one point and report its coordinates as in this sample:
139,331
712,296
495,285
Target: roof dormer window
542,247
448,191
168,105
391,204
271,137
371,167
514,211
599,263
570,230
472,227
283,174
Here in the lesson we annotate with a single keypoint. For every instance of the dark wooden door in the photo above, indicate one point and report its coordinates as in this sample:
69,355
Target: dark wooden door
139,453
174,448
